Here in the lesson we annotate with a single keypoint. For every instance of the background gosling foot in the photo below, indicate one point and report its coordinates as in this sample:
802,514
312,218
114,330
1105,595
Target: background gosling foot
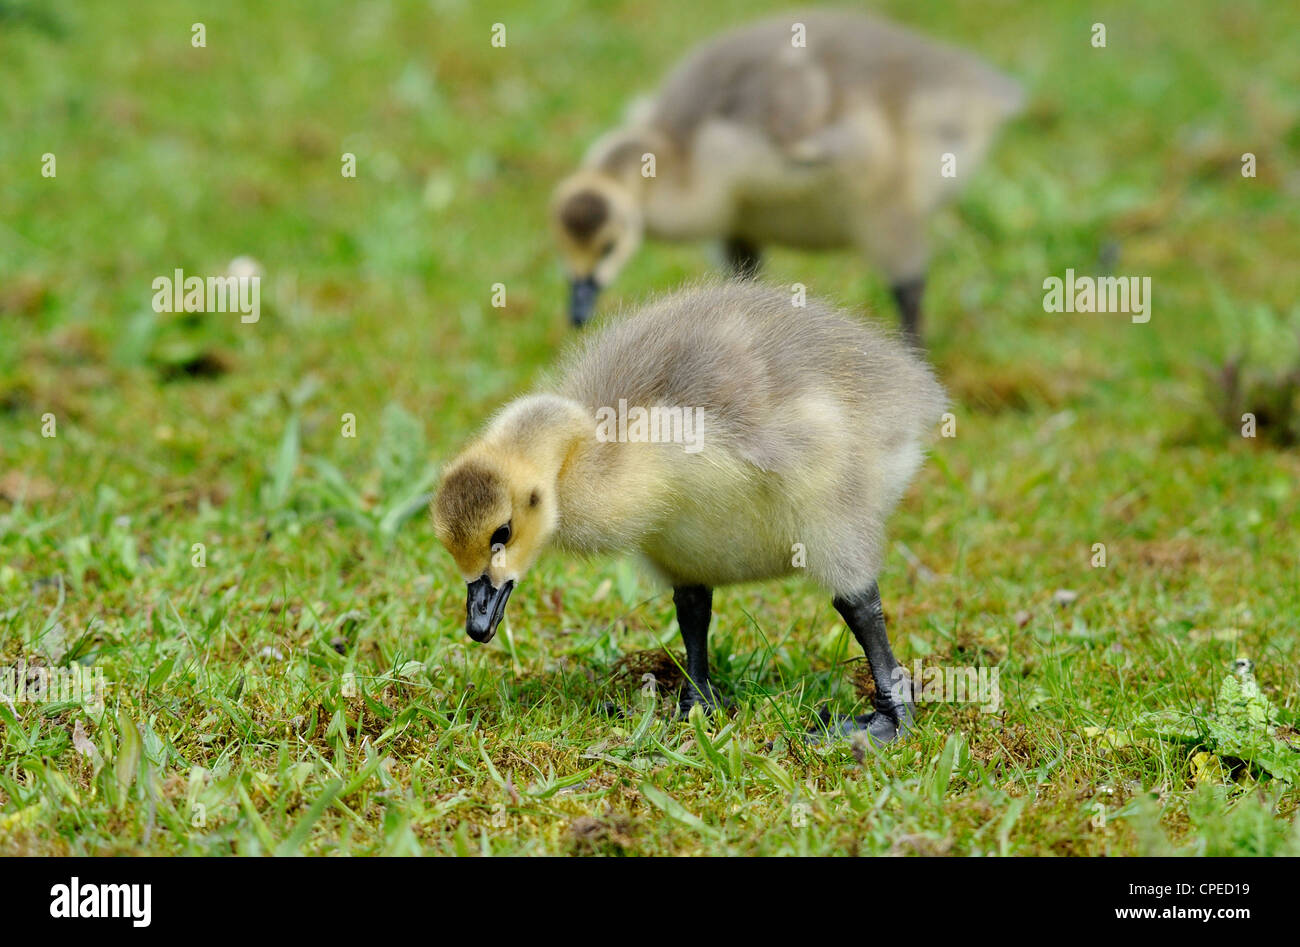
743,258
907,295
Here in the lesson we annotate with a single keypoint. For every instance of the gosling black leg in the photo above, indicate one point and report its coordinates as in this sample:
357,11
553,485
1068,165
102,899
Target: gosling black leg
895,711
908,296
743,258
694,610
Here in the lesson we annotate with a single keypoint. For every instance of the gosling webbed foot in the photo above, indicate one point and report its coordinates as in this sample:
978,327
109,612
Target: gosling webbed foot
710,699
884,725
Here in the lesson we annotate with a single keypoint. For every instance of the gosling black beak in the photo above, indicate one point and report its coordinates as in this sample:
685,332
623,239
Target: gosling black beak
582,300
484,607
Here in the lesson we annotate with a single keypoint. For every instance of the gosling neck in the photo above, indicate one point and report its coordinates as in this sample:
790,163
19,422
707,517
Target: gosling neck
543,431
624,154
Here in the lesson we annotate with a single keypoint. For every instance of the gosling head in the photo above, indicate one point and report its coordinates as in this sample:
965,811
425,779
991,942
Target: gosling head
494,515
599,226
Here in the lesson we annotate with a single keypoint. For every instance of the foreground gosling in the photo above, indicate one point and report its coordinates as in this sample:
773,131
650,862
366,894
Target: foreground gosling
726,436
851,139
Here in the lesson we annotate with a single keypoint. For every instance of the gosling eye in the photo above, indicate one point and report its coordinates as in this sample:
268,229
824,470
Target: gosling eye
607,249
501,536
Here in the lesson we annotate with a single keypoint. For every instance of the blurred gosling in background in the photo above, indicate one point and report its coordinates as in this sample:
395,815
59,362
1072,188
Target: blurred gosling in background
816,130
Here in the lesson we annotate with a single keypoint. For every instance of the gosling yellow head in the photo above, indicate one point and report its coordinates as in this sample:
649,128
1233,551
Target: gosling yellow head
495,512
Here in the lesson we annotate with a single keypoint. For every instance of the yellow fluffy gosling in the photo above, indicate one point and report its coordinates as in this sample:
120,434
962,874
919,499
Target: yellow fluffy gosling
840,142
775,439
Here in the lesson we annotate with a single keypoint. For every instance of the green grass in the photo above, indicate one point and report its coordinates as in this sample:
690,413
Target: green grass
311,688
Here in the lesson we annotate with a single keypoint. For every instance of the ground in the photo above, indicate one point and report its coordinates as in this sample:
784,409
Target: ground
301,681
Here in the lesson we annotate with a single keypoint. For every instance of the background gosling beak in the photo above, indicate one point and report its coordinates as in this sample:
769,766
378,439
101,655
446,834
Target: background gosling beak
582,300
484,607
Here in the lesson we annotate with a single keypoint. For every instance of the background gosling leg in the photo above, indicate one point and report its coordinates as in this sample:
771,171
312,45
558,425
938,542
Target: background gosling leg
895,711
908,296
694,610
743,258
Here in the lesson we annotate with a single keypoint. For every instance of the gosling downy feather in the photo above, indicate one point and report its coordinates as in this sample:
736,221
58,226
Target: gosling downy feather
756,140
799,425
